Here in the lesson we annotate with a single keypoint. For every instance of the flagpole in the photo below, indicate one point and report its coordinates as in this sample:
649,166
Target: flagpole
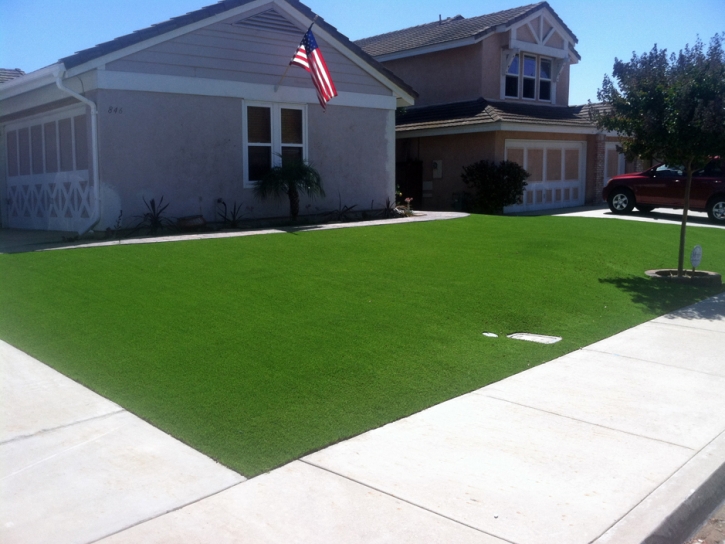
290,64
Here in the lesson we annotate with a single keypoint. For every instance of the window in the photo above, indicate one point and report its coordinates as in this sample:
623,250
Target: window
273,133
530,79
60,144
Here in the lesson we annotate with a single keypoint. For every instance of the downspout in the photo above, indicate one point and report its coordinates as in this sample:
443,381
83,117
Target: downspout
96,213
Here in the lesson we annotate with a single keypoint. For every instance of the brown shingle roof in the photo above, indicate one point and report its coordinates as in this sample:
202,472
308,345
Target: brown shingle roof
174,23
481,111
8,74
451,29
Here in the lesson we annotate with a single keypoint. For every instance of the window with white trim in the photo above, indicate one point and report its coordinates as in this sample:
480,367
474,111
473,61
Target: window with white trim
530,79
45,146
272,134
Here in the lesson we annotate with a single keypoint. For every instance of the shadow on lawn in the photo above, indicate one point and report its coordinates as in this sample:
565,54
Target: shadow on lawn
662,297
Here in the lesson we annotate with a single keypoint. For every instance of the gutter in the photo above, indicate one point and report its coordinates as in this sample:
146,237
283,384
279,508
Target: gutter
96,213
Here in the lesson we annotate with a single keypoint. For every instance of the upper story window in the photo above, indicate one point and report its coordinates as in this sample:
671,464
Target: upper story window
273,133
529,77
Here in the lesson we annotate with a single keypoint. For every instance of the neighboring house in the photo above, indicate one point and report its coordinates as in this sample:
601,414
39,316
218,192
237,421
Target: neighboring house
494,87
8,74
195,110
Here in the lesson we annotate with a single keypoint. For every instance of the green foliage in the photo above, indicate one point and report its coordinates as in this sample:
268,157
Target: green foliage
257,350
231,218
154,218
669,108
494,185
291,178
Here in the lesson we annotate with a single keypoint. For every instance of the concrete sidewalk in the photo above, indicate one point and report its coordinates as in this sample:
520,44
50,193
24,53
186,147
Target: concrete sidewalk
620,442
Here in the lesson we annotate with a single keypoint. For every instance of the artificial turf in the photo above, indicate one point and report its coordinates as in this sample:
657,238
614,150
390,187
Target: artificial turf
257,350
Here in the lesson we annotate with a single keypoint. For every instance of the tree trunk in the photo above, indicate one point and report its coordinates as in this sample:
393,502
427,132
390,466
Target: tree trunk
294,201
683,228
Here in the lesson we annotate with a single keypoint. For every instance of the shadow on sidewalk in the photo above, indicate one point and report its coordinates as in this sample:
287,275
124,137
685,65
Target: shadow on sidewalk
663,297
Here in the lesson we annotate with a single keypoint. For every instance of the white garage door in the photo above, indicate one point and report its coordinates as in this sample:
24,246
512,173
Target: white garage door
557,169
48,185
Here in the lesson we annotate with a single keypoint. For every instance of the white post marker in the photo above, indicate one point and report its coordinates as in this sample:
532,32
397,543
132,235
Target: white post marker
696,257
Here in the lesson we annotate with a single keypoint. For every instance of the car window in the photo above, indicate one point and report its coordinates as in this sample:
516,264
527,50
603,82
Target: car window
713,169
665,170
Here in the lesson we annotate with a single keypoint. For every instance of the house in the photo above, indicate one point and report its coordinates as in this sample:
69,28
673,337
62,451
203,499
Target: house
494,87
194,109
8,74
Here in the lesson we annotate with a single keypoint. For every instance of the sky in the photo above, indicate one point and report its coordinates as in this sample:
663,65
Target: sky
36,33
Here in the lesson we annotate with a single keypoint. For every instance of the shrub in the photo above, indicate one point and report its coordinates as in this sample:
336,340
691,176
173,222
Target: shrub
494,185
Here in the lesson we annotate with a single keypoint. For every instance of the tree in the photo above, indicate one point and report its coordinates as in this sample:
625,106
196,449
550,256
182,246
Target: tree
494,185
290,178
670,109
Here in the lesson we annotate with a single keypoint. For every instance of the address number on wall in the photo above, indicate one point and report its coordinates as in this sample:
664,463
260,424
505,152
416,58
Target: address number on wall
115,109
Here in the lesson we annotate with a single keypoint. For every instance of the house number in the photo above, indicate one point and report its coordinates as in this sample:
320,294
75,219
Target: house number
115,109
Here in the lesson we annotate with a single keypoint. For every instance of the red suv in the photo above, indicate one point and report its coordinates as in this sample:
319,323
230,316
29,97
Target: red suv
663,186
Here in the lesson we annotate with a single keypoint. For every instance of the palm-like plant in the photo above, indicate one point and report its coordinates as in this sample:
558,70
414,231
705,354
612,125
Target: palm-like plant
290,178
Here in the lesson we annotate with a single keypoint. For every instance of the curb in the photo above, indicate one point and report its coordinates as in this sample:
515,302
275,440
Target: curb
673,511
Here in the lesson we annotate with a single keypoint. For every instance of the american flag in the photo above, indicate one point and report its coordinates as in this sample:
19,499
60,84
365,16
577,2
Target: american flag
310,57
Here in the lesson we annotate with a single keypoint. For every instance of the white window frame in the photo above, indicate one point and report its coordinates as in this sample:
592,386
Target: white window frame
276,120
69,112
537,80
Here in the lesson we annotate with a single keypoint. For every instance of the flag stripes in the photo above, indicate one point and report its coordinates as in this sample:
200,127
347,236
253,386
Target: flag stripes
309,57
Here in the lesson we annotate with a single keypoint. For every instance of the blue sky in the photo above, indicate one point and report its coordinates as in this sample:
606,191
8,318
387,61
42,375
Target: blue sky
35,33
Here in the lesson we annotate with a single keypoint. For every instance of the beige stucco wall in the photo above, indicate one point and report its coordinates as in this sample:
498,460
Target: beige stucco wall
453,75
189,149
457,151
491,63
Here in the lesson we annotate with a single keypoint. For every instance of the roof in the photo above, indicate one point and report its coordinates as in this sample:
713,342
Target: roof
175,23
6,74
451,29
481,112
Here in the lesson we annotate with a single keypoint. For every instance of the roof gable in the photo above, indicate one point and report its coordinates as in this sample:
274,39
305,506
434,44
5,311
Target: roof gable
267,19
454,29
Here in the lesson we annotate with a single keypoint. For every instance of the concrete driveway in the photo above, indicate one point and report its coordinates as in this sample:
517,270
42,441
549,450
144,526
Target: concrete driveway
662,216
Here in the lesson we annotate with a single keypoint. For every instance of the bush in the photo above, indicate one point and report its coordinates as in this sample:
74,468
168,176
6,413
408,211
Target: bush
494,186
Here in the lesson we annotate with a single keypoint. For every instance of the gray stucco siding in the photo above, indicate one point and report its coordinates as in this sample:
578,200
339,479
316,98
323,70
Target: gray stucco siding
189,149
354,150
226,52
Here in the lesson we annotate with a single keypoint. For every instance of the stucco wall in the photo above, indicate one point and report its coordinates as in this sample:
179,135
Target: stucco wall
457,151
228,52
453,75
189,149
491,62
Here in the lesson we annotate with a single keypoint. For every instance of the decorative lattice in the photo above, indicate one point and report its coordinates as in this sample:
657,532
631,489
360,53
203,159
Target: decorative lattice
63,203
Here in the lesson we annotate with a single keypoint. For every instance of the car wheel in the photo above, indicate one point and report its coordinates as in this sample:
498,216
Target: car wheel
644,208
716,209
621,201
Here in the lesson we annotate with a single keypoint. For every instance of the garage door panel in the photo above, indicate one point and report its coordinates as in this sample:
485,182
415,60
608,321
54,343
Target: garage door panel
556,171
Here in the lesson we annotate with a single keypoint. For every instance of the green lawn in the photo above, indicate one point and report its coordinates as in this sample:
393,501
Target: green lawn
260,349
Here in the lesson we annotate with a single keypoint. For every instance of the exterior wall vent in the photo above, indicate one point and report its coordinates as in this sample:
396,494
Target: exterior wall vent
270,20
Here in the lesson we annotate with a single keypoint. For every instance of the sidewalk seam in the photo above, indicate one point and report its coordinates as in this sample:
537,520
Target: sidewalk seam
405,501
684,326
681,505
587,422
168,511
43,431
586,348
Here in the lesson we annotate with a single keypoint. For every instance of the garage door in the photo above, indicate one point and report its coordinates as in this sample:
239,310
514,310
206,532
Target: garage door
48,184
557,171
